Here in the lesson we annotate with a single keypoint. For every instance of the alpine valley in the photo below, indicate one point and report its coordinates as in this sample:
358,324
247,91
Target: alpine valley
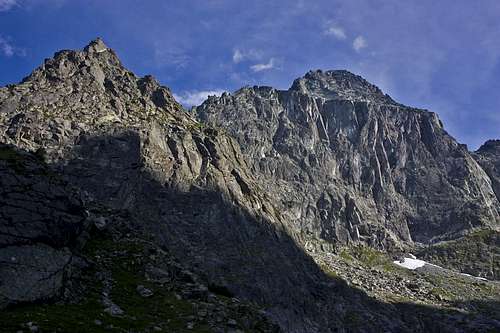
328,207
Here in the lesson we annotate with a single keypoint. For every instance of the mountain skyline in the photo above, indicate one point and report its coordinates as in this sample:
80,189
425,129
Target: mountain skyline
409,51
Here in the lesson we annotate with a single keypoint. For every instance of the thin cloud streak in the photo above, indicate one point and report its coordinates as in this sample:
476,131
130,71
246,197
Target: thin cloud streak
240,55
5,48
6,5
263,67
336,31
9,50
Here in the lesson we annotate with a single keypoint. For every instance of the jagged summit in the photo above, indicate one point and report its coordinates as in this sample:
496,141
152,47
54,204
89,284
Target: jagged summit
492,146
96,46
83,89
95,58
334,127
326,85
339,84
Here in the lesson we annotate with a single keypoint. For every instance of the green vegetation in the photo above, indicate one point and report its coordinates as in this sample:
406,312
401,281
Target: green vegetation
477,254
353,320
329,271
370,258
13,158
196,126
125,261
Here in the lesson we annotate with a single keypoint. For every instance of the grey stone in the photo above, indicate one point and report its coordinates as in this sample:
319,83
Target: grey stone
348,164
144,292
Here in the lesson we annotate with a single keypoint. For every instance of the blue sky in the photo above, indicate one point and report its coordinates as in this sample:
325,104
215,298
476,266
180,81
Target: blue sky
439,55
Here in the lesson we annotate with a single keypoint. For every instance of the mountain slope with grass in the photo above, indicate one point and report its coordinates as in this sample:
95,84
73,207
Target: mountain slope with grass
121,211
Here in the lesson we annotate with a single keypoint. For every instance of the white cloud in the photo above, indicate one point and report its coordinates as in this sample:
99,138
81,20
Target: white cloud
6,48
237,56
9,50
336,31
170,54
192,98
359,43
263,67
6,5
241,55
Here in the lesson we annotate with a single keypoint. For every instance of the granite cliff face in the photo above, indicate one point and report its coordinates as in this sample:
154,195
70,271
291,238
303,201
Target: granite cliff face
120,206
41,219
488,156
348,164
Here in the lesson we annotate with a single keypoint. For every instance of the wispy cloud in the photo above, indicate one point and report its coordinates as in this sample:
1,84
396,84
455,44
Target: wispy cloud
6,5
192,98
359,43
237,56
9,50
6,48
336,31
263,67
170,55
240,55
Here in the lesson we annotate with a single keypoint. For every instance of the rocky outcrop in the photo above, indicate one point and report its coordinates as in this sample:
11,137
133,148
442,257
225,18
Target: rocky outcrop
488,156
41,218
348,164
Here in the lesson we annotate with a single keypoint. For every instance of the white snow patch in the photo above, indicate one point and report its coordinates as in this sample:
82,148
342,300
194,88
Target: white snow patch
475,277
410,263
414,263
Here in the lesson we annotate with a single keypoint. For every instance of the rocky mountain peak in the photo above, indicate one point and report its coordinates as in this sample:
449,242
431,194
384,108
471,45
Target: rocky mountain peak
96,46
78,90
490,146
359,154
95,60
339,84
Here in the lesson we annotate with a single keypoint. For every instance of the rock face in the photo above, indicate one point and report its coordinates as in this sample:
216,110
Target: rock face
348,164
41,218
488,156
330,161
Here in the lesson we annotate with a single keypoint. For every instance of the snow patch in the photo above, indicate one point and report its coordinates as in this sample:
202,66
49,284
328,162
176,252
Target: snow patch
414,263
475,277
410,263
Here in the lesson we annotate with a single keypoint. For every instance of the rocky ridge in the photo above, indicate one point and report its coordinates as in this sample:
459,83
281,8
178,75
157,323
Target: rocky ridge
488,157
160,211
350,165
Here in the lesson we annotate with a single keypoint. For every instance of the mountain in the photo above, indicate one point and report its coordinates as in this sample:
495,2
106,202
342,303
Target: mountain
261,211
488,156
348,164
